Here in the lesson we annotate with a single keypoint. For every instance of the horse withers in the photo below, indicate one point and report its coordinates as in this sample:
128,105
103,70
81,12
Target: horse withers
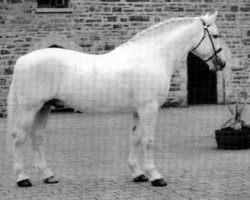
134,77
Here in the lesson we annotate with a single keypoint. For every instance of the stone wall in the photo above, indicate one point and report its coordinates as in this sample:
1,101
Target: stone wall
98,26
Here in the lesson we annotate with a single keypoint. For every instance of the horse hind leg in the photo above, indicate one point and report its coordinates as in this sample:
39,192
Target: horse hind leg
40,162
20,133
135,152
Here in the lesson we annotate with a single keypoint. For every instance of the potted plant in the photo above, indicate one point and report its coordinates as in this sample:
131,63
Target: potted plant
234,133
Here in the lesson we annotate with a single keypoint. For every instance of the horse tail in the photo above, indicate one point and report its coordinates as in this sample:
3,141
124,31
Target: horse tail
12,114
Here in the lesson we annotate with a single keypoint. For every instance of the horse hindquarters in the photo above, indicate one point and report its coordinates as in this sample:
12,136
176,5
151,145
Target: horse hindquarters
11,116
16,131
20,132
23,120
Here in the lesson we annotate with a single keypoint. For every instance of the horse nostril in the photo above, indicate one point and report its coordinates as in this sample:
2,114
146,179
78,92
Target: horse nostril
224,65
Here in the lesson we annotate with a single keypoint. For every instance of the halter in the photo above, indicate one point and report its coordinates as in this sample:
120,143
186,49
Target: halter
206,32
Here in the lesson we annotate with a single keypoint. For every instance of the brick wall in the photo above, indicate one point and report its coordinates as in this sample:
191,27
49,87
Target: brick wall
98,26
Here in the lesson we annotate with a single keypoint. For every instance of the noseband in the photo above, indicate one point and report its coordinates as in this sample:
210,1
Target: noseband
206,32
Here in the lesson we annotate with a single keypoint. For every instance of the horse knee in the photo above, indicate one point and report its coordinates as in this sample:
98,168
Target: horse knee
19,138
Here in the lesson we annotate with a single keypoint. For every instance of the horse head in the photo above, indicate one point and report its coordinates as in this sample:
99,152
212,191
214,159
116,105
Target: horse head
208,46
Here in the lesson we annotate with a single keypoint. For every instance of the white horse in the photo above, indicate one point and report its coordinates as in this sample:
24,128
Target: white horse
135,77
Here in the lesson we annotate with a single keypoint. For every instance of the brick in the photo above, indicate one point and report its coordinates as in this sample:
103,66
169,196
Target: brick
14,1
230,17
234,8
117,26
246,42
112,19
123,19
109,47
131,1
10,46
173,9
117,9
245,9
248,33
8,71
110,0
4,52
139,18
11,62
93,20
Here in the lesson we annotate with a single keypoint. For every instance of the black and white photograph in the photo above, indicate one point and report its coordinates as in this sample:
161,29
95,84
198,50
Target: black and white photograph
124,100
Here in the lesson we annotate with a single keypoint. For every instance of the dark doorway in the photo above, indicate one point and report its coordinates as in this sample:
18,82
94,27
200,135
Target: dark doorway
55,46
202,83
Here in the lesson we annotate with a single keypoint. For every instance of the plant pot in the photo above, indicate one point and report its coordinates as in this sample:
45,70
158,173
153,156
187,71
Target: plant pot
233,139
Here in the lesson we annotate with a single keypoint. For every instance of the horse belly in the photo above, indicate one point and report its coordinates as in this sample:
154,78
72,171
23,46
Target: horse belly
89,94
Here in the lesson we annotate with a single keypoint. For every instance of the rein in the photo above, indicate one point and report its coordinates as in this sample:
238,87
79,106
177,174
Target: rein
206,32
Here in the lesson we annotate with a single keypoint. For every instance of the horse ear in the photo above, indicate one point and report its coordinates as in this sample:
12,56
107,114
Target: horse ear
209,19
212,18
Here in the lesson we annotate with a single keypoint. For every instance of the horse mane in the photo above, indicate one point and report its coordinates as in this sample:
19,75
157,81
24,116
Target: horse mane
168,26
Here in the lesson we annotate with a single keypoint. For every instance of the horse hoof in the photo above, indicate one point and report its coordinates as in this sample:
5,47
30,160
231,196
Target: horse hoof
24,183
141,178
159,183
50,180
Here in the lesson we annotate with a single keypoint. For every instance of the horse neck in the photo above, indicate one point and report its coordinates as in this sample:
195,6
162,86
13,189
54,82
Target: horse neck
168,48
180,42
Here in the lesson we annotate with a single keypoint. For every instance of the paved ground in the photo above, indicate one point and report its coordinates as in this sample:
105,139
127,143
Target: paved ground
88,153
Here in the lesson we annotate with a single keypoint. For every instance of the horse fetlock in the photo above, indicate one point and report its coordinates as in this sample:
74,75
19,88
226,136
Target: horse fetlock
153,173
46,172
22,175
41,166
150,169
134,167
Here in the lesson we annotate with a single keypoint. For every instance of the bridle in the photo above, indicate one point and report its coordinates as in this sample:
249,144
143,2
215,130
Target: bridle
206,32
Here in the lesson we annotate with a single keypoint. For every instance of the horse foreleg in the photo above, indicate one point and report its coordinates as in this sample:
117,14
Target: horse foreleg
40,162
134,153
148,115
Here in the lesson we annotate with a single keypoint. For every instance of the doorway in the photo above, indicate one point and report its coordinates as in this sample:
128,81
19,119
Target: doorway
56,46
202,83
